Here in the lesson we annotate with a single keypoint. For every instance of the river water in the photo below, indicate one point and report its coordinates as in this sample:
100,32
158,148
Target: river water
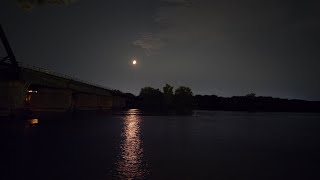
134,145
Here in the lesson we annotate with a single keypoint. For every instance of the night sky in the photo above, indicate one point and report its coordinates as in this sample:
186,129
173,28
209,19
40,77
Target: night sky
222,47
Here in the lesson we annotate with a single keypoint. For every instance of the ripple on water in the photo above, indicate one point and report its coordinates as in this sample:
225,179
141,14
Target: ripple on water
130,164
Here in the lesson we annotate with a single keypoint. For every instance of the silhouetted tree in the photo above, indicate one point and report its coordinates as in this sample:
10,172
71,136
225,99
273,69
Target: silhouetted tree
207,102
251,102
183,99
251,95
116,92
151,98
168,95
131,100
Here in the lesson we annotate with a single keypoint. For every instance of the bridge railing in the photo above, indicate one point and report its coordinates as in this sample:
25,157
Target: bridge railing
46,71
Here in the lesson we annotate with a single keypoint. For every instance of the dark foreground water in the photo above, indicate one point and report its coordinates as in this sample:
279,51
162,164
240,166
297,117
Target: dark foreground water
131,145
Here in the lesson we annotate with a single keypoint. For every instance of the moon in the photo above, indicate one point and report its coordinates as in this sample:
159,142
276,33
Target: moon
134,62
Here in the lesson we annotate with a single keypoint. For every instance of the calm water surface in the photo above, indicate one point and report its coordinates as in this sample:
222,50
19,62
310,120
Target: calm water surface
133,145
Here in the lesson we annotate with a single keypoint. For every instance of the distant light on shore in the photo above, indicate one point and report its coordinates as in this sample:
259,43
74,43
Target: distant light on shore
34,121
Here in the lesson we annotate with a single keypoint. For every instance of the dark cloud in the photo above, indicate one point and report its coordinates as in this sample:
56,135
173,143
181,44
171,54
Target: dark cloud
177,3
30,4
149,42
221,20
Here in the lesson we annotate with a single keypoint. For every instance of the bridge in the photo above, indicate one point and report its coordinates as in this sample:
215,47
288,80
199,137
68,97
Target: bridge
24,87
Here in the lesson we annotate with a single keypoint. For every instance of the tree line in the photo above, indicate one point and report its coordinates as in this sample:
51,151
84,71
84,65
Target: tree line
253,103
179,100
182,100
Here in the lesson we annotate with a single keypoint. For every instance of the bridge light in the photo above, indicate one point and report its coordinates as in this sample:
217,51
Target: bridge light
31,91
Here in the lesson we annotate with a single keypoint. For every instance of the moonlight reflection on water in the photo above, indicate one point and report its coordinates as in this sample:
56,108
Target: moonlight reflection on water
131,157
210,145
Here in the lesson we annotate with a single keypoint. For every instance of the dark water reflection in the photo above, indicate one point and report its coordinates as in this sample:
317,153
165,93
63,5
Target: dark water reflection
133,145
130,163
